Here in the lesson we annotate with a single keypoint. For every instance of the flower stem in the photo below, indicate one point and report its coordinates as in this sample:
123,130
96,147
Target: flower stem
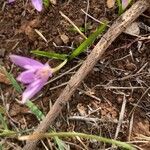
59,66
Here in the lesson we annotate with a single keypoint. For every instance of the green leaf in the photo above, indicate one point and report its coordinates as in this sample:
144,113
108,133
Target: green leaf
88,42
35,110
61,145
14,82
120,7
1,147
3,122
46,3
50,54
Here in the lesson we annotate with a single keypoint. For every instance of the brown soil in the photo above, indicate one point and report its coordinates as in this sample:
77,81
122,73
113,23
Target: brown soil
123,65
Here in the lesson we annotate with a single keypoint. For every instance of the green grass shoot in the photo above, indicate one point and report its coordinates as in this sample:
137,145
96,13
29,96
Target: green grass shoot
46,3
121,9
88,42
81,135
35,110
3,122
50,54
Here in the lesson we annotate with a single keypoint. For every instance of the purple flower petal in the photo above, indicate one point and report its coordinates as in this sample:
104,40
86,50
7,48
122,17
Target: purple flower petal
25,62
26,77
125,3
32,89
10,1
38,4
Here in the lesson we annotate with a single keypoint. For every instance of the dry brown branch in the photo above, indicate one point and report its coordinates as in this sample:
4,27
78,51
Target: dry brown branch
116,29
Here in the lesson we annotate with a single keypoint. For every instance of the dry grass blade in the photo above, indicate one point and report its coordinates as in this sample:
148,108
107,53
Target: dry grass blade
121,117
71,22
130,127
41,35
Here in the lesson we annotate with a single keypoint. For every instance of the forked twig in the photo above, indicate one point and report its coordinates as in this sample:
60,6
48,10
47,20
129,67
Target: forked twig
114,31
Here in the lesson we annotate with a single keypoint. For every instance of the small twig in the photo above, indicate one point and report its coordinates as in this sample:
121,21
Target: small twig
133,109
90,95
63,74
58,86
131,76
89,119
142,67
93,17
87,9
130,127
124,88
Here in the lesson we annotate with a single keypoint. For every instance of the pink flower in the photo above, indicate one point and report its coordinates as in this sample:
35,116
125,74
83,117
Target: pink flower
38,4
35,75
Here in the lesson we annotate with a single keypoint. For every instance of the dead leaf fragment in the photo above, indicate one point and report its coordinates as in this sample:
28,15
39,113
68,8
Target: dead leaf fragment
110,3
64,38
3,77
28,28
133,29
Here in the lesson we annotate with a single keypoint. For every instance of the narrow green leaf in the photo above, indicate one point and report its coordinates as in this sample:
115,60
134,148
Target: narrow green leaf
61,145
7,133
120,7
50,54
1,147
12,80
14,83
34,109
3,122
88,42
46,3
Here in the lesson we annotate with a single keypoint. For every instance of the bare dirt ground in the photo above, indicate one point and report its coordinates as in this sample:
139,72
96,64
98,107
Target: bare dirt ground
121,76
